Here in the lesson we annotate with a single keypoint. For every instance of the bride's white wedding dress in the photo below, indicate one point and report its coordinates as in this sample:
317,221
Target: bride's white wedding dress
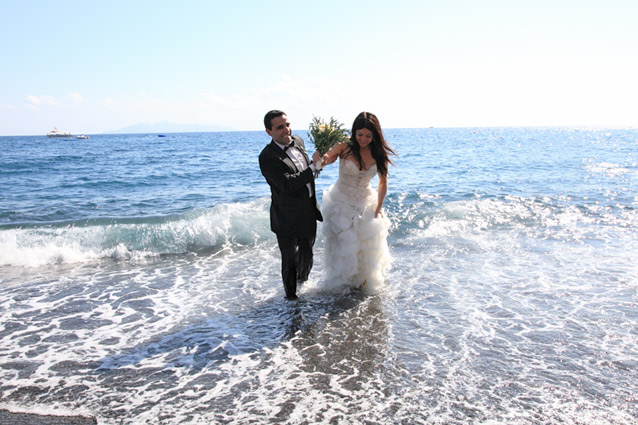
356,247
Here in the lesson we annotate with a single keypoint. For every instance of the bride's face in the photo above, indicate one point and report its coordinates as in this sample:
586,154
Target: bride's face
364,137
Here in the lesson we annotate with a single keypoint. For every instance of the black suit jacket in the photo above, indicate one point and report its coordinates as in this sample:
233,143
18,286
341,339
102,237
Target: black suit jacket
293,213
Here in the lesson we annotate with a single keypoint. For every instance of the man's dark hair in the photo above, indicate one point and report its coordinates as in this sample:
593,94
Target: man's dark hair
270,116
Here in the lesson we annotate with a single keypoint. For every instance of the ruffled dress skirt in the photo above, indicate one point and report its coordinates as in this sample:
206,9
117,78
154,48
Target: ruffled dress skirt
356,248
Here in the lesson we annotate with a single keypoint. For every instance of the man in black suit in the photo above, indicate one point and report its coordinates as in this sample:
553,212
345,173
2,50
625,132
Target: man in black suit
293,210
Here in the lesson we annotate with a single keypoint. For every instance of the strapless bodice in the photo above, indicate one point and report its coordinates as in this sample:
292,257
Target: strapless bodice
354,182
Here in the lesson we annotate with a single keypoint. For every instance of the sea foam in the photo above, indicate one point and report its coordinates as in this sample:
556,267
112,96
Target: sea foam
86,240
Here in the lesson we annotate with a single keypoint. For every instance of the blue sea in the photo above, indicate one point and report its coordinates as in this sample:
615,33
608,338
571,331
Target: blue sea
140,284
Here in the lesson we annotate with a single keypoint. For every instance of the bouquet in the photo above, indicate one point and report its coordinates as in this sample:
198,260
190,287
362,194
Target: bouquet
325,136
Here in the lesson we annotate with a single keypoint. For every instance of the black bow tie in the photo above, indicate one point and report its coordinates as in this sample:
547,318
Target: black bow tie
290,145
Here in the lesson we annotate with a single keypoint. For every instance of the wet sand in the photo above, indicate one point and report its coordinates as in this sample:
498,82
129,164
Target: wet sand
11,418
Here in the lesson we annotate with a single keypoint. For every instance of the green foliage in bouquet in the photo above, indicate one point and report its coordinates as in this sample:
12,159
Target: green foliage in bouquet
325,135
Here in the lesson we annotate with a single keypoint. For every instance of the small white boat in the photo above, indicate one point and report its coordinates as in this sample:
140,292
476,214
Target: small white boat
82,136
57,133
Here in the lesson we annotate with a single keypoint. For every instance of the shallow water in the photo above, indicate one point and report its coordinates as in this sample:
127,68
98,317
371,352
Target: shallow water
139,283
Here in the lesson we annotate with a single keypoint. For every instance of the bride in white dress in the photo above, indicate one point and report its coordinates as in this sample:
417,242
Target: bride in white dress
354,227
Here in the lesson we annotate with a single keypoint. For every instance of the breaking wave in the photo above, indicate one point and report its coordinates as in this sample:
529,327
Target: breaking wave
134,238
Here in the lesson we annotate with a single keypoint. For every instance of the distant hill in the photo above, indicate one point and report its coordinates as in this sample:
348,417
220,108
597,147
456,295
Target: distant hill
168,127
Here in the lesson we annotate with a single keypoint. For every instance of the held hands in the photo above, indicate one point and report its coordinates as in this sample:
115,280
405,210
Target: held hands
320,160
316,159
328,157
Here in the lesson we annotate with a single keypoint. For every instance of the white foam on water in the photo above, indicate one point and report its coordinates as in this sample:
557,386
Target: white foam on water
495,312
242,223
46,410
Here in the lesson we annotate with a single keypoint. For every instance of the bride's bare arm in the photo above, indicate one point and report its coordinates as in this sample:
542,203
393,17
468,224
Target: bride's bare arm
334,153
382,191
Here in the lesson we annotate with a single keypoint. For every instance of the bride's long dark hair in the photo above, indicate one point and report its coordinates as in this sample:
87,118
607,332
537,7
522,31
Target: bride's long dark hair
379,147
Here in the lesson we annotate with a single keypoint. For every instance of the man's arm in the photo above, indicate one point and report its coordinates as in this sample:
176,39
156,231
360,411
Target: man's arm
278,174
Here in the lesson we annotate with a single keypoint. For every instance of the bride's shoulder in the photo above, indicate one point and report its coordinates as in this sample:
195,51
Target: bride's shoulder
342,148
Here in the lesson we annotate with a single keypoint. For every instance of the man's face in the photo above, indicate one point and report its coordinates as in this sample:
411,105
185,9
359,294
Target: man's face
281,132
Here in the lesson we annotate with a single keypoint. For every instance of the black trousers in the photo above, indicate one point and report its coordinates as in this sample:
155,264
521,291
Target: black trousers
296,261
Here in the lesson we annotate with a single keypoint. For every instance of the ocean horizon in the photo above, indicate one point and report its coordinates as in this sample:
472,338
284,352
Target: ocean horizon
185,129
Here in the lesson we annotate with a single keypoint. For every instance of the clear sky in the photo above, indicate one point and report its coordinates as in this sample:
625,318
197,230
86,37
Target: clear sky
91,67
